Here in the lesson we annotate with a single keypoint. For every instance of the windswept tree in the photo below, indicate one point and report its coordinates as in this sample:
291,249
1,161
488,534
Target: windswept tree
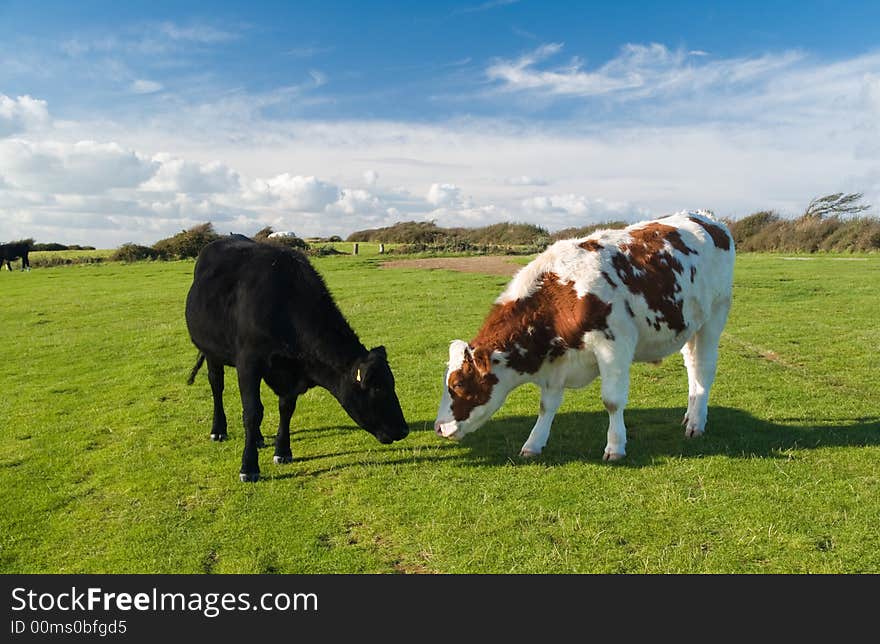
186,243
263,233
836,204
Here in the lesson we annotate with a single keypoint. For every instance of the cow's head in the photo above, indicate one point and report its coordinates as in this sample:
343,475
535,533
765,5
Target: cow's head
369,398
474,387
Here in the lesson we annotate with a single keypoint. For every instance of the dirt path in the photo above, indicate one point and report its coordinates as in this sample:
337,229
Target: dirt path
490,264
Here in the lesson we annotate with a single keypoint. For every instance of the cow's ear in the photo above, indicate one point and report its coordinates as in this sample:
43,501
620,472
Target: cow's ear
483,361
360,375
374,358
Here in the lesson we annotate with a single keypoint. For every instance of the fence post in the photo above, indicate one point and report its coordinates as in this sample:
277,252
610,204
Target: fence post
355,248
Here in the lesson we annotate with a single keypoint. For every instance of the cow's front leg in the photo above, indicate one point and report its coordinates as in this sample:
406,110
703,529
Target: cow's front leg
551,398
614,371
286,407
252,415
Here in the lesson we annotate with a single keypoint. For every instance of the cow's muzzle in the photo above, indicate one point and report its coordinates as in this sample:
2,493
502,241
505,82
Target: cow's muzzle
447,430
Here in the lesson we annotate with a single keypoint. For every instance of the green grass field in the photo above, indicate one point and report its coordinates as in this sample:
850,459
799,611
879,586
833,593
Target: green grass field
106,465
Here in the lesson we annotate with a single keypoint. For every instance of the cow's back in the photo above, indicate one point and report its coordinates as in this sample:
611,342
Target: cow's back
246,293
661,279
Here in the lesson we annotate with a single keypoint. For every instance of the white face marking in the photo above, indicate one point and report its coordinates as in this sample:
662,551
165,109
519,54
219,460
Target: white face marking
445,424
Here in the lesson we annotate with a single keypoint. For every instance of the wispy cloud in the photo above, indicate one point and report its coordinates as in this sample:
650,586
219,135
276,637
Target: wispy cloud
309,51
637,71
148,39
142,86
523,33
486,6
318,77
197,33
525,180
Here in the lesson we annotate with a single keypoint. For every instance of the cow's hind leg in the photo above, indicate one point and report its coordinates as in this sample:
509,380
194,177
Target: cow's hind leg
614,365
215,377
286,407
249,378
551,398
701,359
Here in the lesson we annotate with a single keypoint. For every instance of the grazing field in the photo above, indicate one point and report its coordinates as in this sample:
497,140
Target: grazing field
106,465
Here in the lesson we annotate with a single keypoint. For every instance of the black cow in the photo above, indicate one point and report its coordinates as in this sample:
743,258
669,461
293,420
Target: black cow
263,309
14,250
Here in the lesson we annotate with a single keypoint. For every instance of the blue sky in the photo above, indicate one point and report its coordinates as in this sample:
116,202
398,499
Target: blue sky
127,121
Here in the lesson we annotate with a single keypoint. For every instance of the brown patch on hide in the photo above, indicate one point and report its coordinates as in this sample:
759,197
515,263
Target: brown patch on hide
543,325
717,233
591,245
471,385
648,269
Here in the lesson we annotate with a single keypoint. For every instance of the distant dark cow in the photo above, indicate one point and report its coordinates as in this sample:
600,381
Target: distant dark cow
12,251
590,307
263,309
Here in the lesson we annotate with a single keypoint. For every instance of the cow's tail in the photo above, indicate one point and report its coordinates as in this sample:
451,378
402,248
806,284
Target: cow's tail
192,374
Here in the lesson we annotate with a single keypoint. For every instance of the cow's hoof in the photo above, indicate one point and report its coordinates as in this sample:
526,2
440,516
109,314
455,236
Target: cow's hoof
693,432
279,460
528,453
219,437
611,456
249,477
684,421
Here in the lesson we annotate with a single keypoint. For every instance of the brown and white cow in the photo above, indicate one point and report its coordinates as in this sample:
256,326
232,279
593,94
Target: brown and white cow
590,307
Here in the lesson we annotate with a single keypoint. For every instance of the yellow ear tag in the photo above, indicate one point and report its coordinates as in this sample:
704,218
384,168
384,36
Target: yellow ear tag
358,376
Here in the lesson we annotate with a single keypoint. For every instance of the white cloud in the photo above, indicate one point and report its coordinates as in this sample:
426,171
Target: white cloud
85,167
178,175
142,86
869,124
371,177
359,202
470,216
293,192
21,114
444,195
580,210
525,180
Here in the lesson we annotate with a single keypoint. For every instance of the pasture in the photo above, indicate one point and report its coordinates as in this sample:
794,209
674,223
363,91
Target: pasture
106,465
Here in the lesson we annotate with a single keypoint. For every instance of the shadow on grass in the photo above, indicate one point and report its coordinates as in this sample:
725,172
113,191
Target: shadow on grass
654,435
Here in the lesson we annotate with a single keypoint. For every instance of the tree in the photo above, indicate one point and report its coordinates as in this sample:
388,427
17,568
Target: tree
836,204
263,233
